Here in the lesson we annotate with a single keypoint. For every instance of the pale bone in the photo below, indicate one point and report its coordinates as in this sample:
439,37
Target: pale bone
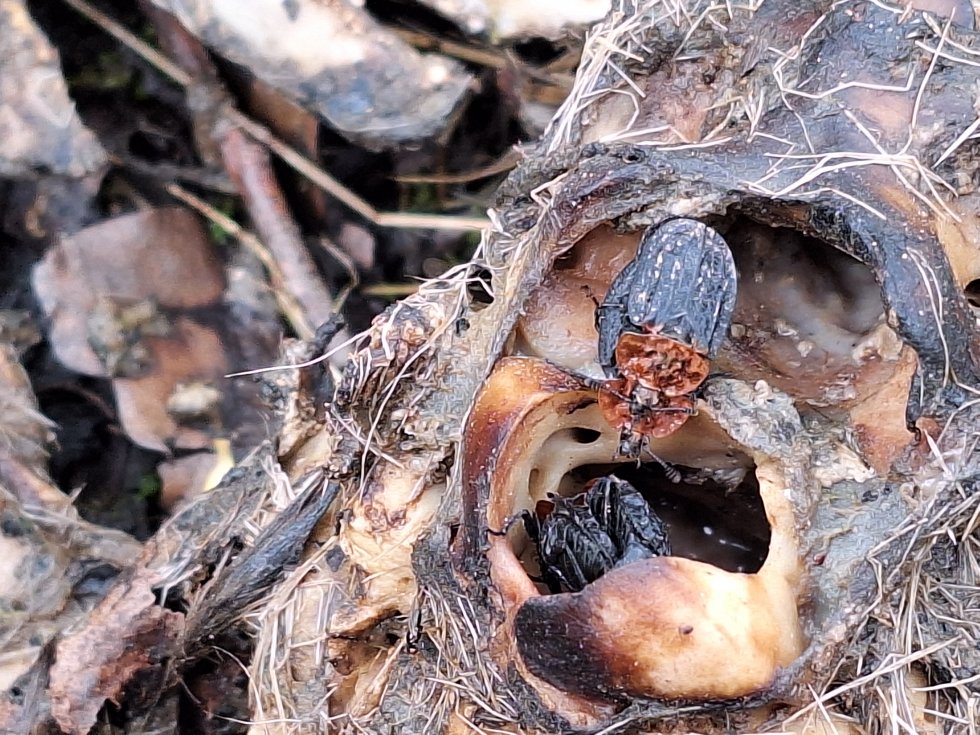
532,407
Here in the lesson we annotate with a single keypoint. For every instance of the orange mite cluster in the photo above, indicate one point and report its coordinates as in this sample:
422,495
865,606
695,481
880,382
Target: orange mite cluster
653,395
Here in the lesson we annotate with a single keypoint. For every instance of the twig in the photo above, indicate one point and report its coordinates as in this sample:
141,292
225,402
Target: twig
390,290
251,170
344,258
216,181
503,164
247,167
329,184
289,155
287,303
472,54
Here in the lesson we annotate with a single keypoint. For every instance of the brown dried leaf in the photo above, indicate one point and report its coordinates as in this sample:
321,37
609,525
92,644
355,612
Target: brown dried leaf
127,635
106,290
162,256
190,353
186,477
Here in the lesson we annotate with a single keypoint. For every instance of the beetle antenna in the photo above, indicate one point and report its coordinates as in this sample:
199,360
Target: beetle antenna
673,474
590,382
587,289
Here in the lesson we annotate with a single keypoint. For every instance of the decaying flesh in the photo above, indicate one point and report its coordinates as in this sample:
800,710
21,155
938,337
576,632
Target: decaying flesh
831,146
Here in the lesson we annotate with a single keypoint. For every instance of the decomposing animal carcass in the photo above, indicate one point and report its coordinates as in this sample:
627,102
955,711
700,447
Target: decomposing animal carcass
817,484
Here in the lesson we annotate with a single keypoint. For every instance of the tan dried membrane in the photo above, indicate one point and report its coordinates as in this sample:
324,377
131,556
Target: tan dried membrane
399,622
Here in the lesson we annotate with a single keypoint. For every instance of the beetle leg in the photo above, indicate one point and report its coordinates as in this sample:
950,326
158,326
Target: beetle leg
580,577
551,572
590,382
526,517
414,630
630,443
592,297
553,579
569,572
562,583
673,474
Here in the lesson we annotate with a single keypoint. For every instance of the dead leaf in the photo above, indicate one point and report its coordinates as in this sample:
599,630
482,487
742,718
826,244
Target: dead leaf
111,291
187,476
161,255
190,353
24,432
128,634
336,59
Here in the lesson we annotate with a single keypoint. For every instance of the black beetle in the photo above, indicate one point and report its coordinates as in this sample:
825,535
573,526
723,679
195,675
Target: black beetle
582,537
664,317
681,284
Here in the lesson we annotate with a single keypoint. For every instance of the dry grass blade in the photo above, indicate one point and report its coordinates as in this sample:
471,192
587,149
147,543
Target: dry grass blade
287,303
504,164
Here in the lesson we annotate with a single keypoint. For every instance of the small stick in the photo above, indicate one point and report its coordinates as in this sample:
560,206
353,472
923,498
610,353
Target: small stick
503,164
251,170
390,290
290,156
472,54
247,167
288,305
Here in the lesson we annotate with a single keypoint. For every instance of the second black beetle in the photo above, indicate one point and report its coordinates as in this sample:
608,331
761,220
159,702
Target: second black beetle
581,538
